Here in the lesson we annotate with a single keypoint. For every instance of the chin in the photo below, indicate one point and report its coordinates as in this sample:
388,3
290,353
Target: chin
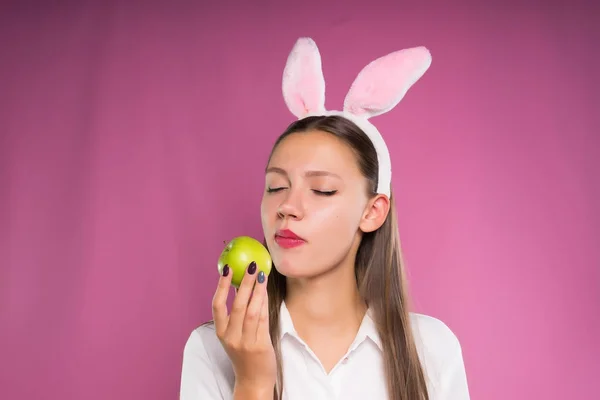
291,268
298,268
292,273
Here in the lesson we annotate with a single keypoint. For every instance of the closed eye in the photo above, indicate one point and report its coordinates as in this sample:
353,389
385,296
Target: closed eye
318,192
325,192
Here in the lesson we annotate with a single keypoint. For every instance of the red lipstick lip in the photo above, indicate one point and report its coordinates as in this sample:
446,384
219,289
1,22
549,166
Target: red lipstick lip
287,239
287,234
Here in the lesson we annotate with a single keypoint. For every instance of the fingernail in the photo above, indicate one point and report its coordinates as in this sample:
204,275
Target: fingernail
226,270
252,268
261,277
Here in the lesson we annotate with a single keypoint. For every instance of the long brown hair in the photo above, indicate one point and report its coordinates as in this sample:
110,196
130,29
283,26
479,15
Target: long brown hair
379,274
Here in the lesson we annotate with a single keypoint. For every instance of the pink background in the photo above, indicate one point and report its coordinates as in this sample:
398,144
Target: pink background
133,140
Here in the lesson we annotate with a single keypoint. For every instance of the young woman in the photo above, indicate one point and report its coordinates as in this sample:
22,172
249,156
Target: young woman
331,321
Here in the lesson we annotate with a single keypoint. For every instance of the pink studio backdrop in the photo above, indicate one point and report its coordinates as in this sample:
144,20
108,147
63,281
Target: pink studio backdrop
133,140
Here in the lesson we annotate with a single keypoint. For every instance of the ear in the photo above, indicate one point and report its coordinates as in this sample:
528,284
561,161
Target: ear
303,82
381,85
375,213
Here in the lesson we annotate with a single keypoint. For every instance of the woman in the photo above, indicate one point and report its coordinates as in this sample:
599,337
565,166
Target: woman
331,321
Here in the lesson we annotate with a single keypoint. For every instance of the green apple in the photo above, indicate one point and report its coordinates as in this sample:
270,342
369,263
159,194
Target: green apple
239,253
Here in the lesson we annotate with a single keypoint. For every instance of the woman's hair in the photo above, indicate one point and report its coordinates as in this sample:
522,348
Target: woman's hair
379,272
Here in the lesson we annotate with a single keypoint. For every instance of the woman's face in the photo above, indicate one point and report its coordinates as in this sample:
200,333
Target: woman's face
313,190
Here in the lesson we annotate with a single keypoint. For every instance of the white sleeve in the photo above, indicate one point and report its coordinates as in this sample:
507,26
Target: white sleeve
453,379
198,380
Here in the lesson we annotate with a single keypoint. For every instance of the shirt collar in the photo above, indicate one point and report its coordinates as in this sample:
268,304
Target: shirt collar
367,330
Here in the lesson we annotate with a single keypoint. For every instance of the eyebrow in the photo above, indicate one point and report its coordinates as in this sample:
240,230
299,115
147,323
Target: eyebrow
281,171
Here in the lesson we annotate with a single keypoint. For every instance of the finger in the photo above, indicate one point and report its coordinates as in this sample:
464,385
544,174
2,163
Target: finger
219,303
263,334
250,324
240,302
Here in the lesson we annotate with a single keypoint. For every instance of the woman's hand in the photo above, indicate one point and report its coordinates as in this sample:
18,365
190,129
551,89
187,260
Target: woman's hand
245,335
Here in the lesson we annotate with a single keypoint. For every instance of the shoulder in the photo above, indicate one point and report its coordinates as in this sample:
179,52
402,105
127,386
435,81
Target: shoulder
203,342
437,345
434,335
203,336
206,366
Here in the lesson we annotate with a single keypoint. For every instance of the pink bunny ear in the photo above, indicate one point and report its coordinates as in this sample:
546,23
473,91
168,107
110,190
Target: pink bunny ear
381,85
303,81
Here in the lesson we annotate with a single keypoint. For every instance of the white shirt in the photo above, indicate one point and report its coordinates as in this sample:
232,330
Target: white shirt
207,373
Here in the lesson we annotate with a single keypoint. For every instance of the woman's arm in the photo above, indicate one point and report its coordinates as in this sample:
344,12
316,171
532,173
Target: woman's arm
252,392
198,380
453,380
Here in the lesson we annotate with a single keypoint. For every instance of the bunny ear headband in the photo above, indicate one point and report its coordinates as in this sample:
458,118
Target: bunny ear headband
377,89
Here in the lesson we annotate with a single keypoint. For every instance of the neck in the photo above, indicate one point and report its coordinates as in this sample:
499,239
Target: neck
329,302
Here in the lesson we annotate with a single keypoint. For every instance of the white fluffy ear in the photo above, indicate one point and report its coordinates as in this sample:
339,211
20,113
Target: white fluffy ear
303,81
381,85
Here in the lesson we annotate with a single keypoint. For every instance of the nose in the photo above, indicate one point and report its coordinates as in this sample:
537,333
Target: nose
284,211
290,208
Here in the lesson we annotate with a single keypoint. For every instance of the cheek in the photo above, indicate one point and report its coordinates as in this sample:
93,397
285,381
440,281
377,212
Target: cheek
337,221
268,209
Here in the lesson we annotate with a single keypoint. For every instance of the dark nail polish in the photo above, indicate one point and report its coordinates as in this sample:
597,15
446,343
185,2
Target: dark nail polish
252,268
261,277
226,270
